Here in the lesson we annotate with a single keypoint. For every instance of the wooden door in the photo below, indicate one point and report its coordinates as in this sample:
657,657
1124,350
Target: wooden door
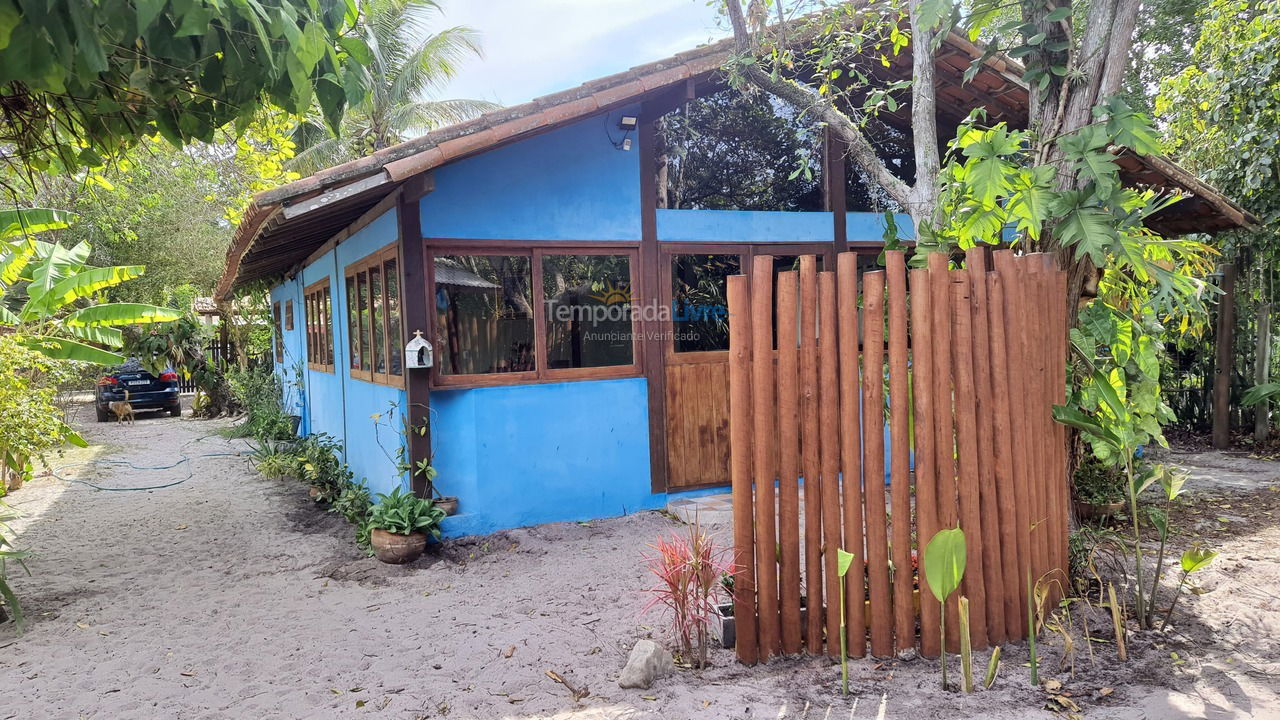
696,354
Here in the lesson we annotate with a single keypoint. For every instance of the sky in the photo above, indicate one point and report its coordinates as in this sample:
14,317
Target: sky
536,47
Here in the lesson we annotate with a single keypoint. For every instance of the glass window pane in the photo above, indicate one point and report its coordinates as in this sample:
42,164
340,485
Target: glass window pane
588,310
484,314
395,334
699,306
379,321
353,324
362,283
327,341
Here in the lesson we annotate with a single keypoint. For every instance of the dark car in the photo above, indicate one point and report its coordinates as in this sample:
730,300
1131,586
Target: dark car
144,391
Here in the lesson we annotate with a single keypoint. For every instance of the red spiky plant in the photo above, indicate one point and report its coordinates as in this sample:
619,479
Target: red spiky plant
688,569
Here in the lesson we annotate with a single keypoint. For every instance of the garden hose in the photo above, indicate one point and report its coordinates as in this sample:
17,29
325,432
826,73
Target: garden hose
184,460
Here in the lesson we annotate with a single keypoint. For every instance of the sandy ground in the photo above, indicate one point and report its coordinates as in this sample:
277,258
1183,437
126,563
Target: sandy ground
229,595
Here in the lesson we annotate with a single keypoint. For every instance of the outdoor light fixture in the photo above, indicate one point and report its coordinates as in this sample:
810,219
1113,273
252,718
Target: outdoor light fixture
627,122
626,144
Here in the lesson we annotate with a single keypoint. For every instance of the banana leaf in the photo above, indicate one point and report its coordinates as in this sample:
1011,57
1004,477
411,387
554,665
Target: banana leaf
117,314
81,284
64,349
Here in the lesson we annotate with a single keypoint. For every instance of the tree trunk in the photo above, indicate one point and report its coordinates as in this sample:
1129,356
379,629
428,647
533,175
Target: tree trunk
1224,362
1262,373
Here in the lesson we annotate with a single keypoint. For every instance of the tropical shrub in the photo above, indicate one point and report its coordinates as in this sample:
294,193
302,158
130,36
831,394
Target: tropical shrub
402,512
31,423
261,394
355,504
320,465
1098,482
688,569
8,600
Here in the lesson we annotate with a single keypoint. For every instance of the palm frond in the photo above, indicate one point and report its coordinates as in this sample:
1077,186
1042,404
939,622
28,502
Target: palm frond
418,118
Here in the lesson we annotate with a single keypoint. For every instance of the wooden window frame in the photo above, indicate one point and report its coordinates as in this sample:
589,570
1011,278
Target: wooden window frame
536,251
392,339
318,316
288,315
277,329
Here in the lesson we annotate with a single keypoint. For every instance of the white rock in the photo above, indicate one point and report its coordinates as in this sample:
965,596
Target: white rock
648,662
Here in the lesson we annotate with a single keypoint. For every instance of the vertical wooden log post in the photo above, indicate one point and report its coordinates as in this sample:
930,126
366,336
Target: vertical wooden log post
789,462
744,591
829,402
904,621
809,447
1225,359
974,586
922,389
763,415
1012,543
851,454
984,386
873,462
943,417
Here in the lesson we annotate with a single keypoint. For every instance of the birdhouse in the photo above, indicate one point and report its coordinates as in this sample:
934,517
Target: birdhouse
417,352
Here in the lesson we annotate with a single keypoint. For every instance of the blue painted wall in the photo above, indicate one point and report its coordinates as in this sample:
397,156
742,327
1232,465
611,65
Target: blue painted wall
532,454
863,227
567,184
743,226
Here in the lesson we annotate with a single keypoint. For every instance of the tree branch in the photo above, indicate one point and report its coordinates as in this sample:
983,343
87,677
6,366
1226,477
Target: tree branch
806,100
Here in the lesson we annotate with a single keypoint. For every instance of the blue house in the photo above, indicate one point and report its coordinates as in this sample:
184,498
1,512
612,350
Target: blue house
566,260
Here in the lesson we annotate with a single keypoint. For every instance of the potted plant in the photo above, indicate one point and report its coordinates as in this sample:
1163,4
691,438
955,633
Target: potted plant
399,525
1099,489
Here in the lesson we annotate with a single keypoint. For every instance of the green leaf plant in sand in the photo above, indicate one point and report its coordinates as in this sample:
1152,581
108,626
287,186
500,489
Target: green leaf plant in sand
944,561
1107,423
843,561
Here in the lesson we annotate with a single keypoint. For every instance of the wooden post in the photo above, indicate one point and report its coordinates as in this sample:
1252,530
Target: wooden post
967,480
926,482
1262,373
765,457
829,409
1225,359
851,454
810,449
873,462
415,300
944,468
834,191
1012,543
744,578
788,463
904,621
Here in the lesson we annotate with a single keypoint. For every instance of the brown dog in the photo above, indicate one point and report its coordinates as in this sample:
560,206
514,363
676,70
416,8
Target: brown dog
123,409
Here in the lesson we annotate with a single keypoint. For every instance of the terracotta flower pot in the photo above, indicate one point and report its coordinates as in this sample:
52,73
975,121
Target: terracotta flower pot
397,549
448,504
1097,511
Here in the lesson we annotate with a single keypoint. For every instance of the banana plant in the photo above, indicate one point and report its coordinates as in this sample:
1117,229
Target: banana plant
46,291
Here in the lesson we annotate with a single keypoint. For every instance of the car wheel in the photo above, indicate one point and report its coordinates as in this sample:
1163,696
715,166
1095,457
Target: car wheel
176,410
102,415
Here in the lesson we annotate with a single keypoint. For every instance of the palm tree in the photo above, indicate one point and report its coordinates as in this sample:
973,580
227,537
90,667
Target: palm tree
407,64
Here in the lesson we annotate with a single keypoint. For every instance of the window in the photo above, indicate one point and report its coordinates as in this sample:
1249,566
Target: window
277,330
373,318
729,151
288,315
699,307
510,316
318,313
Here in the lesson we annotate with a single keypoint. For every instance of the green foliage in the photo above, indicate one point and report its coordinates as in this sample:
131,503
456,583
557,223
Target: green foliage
944,561
402,513
9,553
1120,387
402,61
44,288
31,423
320,465
261,395
843,561
1097,482
82,82
179,345
354,504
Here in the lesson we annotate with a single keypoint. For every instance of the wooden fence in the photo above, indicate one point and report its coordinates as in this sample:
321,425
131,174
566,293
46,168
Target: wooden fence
975,358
